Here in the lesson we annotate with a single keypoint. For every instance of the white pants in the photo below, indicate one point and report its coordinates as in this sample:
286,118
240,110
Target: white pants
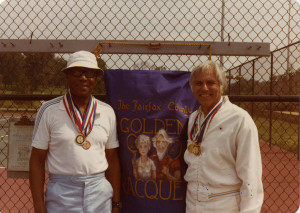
79,193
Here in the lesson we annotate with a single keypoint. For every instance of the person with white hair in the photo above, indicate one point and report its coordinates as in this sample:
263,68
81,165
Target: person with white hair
143,167
75,140
167,169
224,171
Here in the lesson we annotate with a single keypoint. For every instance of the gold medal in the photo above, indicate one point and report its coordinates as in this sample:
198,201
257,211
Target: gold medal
190,148
86,145
196,150
79,139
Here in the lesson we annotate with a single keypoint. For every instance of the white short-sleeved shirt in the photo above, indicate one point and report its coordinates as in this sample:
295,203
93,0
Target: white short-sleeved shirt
54,131
230,161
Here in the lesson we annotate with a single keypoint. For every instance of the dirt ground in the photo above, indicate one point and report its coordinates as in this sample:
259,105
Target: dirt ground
280,179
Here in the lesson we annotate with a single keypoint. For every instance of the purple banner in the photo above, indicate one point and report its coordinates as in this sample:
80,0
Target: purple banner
151,109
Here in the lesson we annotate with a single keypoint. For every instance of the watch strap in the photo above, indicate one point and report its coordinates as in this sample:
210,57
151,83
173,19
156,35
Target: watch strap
116,204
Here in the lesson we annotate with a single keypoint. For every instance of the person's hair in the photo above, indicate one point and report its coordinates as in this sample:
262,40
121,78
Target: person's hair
142,139
164,134
206,66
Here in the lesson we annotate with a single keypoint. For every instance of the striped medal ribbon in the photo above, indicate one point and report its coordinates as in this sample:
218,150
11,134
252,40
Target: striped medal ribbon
197,133
83,123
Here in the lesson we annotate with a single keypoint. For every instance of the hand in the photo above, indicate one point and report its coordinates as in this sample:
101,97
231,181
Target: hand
165,171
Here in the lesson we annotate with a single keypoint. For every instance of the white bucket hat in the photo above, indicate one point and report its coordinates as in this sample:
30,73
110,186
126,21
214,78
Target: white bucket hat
82,59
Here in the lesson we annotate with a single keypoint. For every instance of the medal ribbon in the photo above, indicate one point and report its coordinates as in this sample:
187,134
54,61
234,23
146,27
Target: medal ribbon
83,123
194,134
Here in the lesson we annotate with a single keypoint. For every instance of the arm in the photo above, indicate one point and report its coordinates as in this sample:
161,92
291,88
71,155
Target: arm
37,178
153,174
175,177
249,167
113,174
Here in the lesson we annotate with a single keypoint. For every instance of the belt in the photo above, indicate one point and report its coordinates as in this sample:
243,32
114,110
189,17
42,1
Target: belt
205,193
76,179
232,192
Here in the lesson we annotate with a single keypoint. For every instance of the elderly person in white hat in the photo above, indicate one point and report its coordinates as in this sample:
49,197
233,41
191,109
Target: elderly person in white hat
75,140
224,171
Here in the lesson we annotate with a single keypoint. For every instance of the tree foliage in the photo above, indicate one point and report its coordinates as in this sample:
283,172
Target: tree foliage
12,71
37,73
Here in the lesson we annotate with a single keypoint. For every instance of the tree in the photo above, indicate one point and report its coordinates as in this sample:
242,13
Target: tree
57,77
12,71
36,68
44,70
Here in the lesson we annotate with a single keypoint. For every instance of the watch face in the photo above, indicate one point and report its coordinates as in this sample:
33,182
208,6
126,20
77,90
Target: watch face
79,139
116,204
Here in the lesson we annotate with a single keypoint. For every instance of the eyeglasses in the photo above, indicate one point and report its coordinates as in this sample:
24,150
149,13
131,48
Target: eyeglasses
89,73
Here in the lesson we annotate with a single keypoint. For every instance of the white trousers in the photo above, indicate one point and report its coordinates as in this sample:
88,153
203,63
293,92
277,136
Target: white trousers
78,194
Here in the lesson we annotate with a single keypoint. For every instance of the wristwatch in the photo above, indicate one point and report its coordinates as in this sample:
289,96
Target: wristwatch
116,204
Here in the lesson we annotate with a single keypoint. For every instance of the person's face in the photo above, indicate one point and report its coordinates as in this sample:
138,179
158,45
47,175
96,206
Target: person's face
81,81
206,89
161,143
143,149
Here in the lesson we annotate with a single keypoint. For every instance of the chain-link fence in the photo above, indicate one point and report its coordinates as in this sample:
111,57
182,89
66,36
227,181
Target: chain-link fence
267,87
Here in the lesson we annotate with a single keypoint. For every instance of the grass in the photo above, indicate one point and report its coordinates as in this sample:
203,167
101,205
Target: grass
283,134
